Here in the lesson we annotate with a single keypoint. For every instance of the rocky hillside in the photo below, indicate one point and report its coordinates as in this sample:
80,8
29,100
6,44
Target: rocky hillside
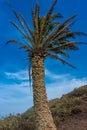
69,113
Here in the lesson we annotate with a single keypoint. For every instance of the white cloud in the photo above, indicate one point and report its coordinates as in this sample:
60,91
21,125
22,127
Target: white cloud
21,75
55,76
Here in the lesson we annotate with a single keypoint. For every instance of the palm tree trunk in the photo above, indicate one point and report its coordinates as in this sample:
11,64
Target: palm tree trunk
43,117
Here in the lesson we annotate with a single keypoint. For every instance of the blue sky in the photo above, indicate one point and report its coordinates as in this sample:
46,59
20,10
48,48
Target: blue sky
15,92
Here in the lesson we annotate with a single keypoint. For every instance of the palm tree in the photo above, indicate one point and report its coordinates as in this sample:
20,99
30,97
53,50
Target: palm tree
48,38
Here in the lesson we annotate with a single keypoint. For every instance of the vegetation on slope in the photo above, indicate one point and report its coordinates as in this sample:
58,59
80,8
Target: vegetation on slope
67,107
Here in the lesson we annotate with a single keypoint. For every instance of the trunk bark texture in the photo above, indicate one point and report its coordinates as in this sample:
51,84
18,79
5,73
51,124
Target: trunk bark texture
43,116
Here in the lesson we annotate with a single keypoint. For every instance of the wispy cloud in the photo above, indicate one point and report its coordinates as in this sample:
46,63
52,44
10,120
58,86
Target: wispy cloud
55,76
21,75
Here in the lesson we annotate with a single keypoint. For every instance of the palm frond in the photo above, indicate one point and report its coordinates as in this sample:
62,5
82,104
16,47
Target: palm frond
67,21
38,18
20,21
80,33
35,17
36,12
63,53
51,9
52,55
47,17
59,51
22,45
37,9
55,16
68,45
26,48
24,34
70,34
27,26
14,41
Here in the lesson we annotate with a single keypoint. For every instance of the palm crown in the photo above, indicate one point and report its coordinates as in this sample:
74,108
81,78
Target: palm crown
48,36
